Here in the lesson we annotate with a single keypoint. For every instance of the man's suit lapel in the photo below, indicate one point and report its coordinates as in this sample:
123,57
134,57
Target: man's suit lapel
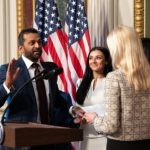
23,77
23,70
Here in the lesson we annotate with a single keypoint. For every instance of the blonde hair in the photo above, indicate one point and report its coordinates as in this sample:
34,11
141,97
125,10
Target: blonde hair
128,55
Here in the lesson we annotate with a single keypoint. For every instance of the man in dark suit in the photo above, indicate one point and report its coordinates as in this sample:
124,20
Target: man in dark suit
26,105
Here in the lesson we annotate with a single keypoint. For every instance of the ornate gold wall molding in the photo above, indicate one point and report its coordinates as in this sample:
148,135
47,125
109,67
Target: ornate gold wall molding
20,22
20,11
139,17
24,14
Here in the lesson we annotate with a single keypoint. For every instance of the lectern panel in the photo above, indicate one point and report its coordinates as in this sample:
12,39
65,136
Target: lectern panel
32,134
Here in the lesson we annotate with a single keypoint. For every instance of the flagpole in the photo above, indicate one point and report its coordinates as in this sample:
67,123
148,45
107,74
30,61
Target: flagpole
33,8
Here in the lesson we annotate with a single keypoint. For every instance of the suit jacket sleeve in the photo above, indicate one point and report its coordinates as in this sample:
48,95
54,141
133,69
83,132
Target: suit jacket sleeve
3,92
62,105
110,123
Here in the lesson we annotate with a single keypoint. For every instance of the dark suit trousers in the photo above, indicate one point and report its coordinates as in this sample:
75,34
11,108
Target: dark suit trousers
65,146
127,145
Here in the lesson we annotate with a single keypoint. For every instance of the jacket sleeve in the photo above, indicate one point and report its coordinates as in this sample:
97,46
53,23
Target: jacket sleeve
62,116
110,123
3,92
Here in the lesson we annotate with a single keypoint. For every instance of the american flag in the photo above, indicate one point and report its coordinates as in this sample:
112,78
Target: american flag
78,41
70,54
48,23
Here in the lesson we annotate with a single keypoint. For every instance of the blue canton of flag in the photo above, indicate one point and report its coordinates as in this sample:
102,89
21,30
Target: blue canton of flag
46,18
76,20
48,23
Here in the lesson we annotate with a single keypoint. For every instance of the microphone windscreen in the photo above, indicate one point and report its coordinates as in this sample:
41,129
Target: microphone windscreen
53,72
59,70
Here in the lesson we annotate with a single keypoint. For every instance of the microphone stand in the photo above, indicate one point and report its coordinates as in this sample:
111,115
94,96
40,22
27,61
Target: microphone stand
38,76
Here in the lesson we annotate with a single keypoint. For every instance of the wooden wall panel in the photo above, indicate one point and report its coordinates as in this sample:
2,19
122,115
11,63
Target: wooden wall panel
28,13
24,14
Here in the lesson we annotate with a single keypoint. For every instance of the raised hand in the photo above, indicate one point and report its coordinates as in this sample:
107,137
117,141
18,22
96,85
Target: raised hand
11,74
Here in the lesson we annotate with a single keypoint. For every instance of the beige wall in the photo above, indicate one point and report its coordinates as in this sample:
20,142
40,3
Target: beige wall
126,12
8,30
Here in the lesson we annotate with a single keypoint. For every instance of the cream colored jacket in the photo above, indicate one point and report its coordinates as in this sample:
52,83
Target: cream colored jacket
127,116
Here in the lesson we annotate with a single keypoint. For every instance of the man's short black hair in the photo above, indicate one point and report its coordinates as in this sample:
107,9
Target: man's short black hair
23,32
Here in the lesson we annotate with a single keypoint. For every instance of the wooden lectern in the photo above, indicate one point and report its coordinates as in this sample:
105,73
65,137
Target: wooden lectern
32,134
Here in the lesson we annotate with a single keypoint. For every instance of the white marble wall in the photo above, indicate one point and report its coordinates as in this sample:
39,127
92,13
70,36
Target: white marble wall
8,30
126,12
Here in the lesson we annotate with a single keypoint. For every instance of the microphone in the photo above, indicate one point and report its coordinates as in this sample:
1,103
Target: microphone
42,75
38,76
52,73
